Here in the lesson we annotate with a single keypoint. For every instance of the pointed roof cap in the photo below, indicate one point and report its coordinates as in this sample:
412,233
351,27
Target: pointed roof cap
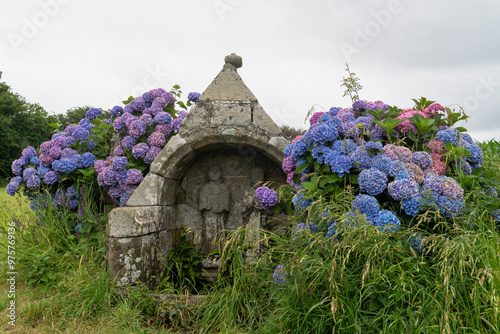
228,85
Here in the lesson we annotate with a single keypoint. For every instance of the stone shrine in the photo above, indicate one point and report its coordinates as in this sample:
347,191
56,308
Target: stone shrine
203,180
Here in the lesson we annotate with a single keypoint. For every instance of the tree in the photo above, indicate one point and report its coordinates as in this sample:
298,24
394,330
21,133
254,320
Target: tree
22,124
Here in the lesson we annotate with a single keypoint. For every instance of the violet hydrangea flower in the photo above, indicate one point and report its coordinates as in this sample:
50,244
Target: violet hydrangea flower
267,197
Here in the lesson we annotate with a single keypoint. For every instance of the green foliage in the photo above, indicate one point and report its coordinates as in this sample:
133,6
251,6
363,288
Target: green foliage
184,264
352,85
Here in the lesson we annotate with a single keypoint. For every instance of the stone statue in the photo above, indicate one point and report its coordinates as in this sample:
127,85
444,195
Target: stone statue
254,214
214,201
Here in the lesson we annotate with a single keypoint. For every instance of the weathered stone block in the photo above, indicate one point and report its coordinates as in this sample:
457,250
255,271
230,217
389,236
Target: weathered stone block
133,259
152,191
136,221
172,158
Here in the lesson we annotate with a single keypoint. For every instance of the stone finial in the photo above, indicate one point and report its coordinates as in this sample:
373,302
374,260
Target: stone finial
234,60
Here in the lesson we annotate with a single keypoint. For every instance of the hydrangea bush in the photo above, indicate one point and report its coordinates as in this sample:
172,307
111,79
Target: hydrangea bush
83,153
399,163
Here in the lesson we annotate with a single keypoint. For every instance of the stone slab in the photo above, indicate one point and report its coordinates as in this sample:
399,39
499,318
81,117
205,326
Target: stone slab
136,221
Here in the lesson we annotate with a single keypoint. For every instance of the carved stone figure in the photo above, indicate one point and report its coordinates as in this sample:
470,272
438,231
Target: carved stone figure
254,214
214,201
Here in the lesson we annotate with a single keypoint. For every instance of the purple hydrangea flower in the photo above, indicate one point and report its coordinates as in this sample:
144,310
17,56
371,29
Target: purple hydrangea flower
159,102
288,165
134,176
119,163
372,181
51,177
99,165
28,173
152,154
128,142
11,189
118,151
68,152
28,153
108,176
72,203
55,152
137,128
176,124
359,105
121,176
140,150
165,128
146,118
194,96
169,97
71,192
156,139
79,133
118,124
267,197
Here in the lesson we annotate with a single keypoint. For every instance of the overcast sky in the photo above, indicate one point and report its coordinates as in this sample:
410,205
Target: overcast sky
69,53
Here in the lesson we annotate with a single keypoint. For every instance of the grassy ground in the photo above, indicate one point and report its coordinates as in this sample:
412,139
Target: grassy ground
13,207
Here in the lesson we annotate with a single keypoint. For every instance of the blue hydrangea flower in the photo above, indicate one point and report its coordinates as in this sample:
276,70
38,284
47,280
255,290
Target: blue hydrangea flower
332,230
382,163
17,166
416,242
267,197
33,182
163,118
334,111
85,123
64,165
322,133
90,145
117,110
360,158
93,113
367,205
387,221
372,181
373,146
299,203
422,159
193,96
300,148
447,135
476,153
71,192
345,146
319,153
87,159
288,150
403,189
339,163
411,206
279,275
359,105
